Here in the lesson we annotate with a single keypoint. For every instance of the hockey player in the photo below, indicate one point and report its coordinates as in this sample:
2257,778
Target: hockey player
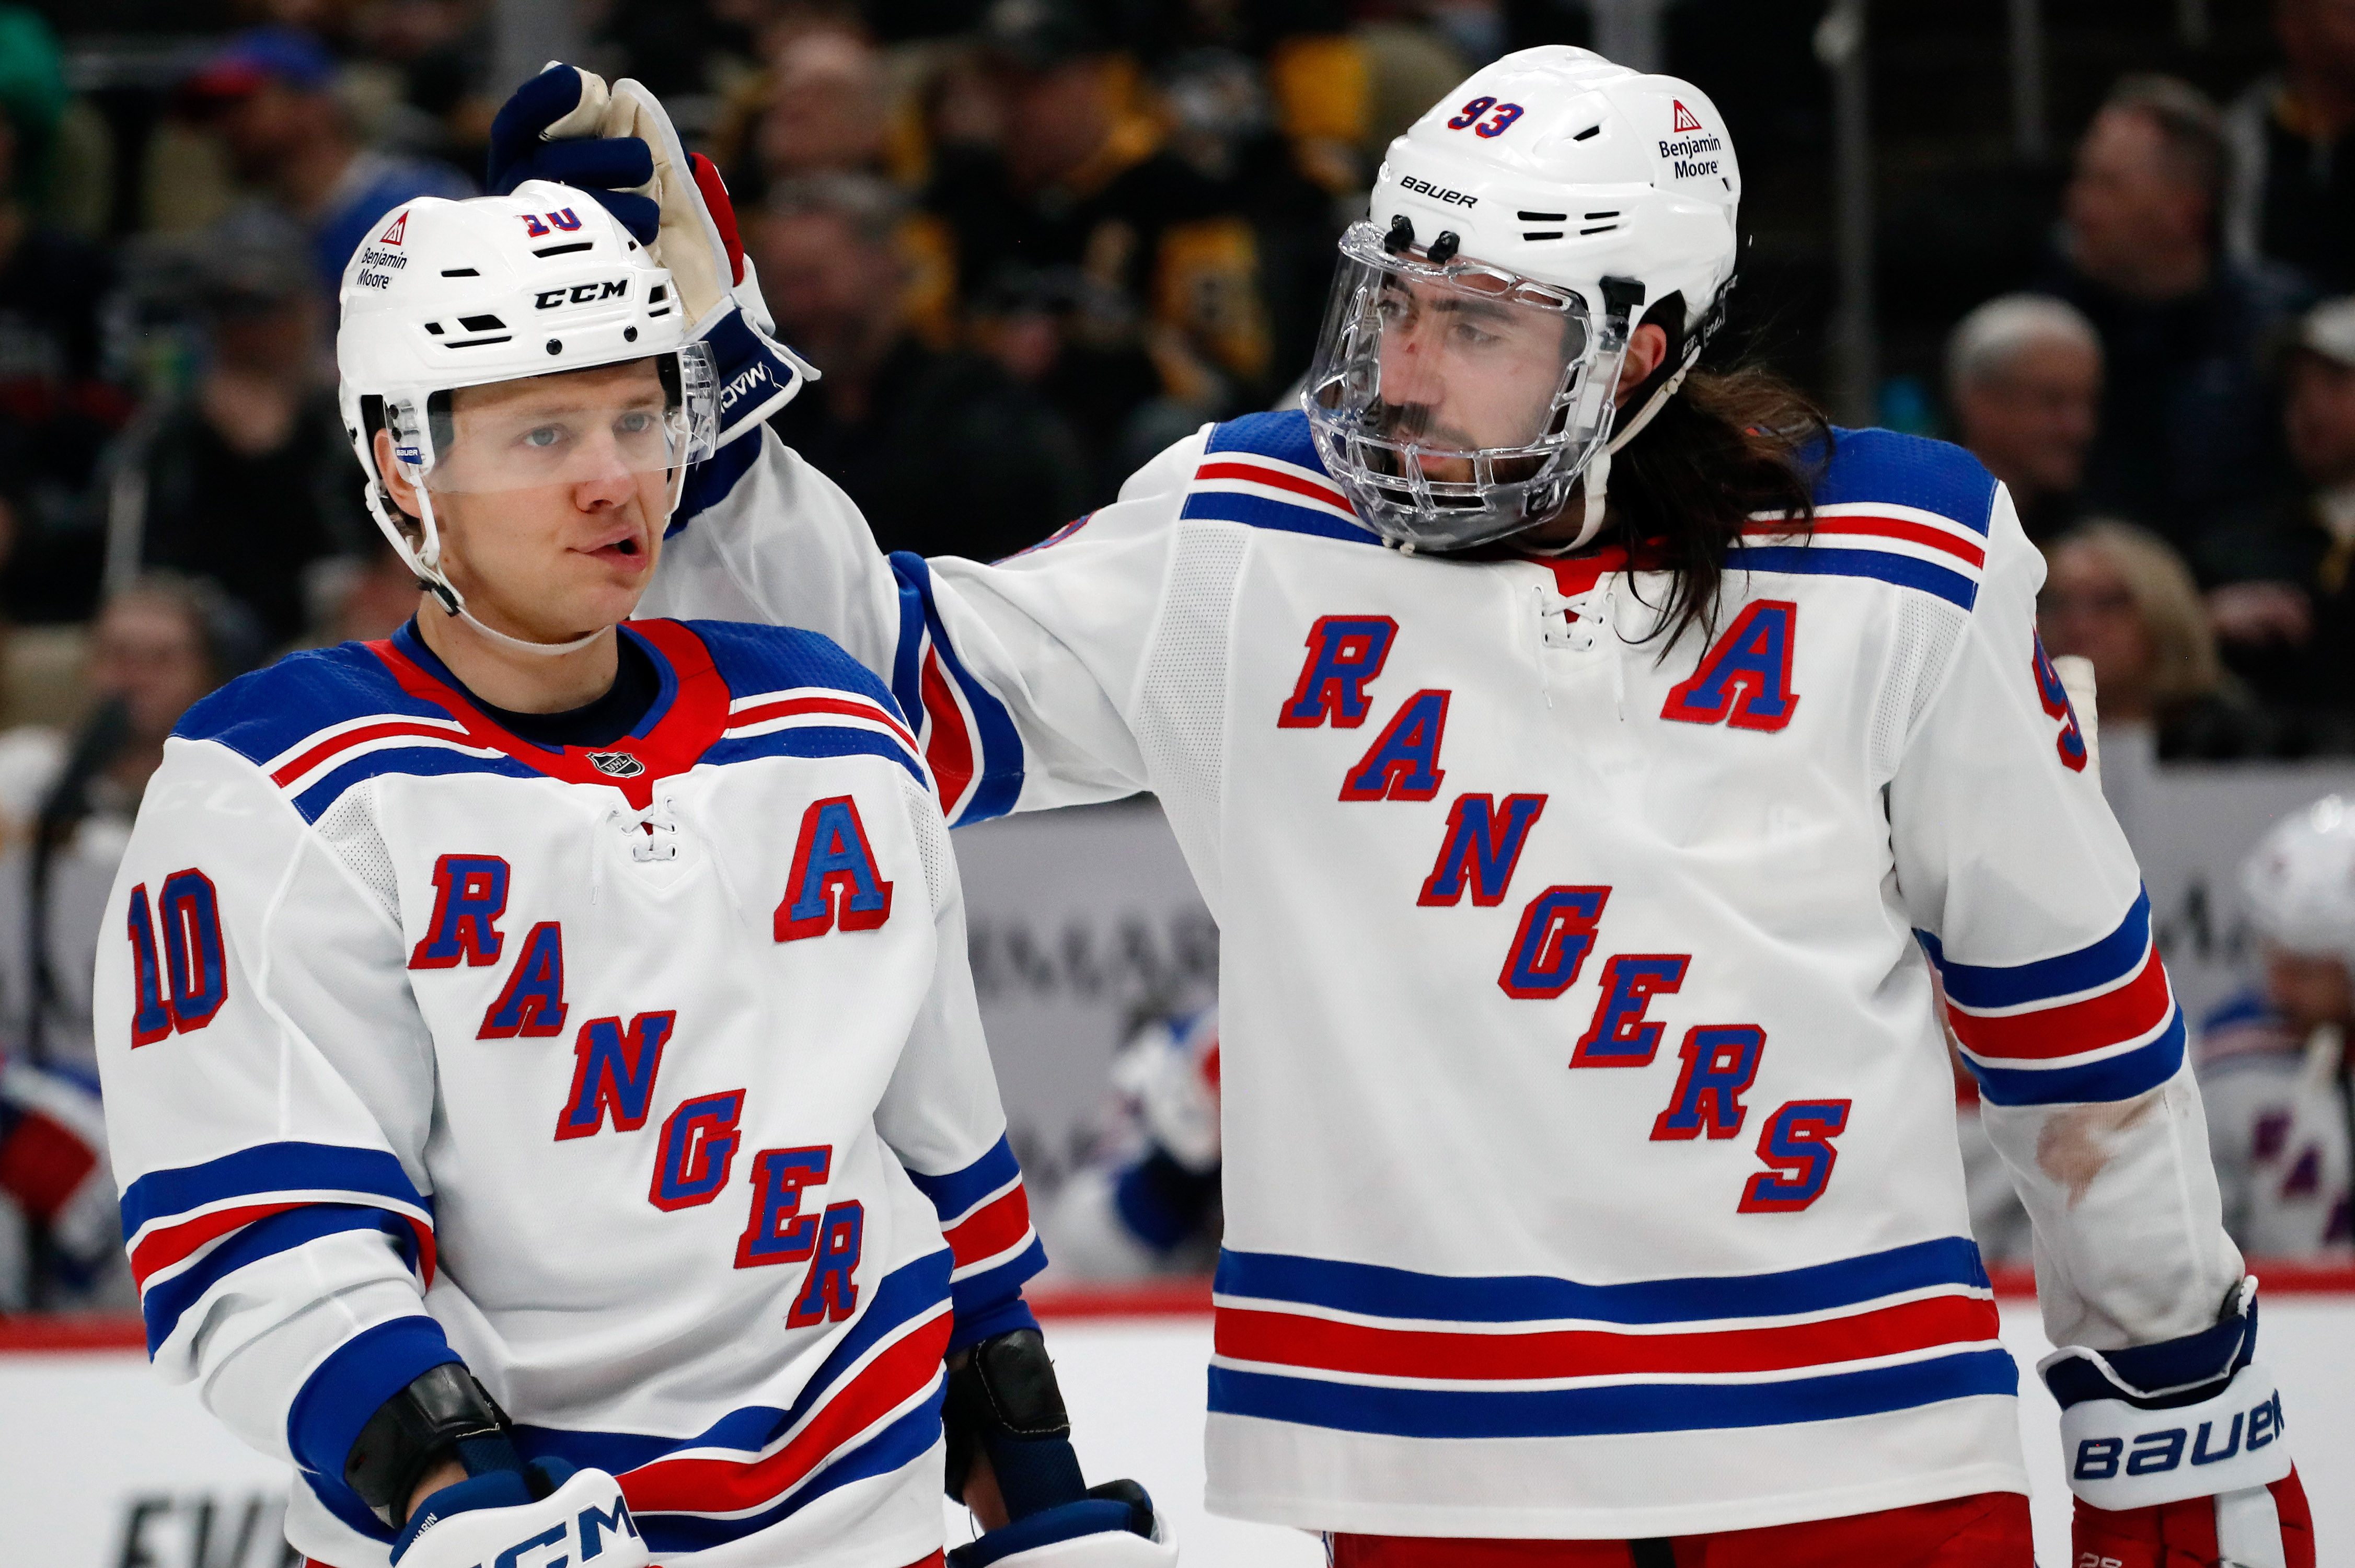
538,1052
1571,745
1146,1202
2273,1060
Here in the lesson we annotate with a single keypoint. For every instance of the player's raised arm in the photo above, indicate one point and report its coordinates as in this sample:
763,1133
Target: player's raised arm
269,1095
2029,900
1021,678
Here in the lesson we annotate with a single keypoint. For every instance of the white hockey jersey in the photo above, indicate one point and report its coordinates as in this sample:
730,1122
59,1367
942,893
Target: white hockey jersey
1590,1162
646,1080
2281,1128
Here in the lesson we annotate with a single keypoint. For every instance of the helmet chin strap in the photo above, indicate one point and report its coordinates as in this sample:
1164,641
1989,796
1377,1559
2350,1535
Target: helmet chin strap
1597,475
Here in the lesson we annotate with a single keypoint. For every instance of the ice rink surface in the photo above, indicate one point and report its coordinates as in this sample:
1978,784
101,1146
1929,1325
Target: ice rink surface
102,1466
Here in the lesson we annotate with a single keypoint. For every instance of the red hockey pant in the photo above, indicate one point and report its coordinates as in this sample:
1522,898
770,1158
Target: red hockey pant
1989,1530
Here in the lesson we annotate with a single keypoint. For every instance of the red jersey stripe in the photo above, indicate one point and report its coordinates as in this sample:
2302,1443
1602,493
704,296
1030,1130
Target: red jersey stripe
2127,1012
1886,527
792,707
159,1250
949,749
350,737
731,1486
991,1228
1274,478
1284,1338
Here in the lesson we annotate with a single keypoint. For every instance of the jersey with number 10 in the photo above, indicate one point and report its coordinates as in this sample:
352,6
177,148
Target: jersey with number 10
648,1081
1591,1165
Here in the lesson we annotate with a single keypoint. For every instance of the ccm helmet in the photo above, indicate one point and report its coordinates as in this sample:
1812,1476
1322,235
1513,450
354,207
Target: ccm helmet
2300,880
448,295
1518,234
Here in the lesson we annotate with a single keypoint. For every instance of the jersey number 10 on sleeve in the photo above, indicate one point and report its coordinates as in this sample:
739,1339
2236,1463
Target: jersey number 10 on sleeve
179,984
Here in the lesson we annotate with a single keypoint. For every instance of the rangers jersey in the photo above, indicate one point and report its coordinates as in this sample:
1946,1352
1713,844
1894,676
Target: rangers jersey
2281,1124
647,1080
1591,1164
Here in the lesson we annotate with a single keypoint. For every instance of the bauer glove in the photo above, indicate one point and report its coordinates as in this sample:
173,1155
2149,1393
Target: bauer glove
617,143
2176,1452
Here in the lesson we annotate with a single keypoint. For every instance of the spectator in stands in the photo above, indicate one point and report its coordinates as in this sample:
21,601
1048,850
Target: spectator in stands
57,408
2293,132
271,93
2285,606
2190,434
248,479
2118,595
155,648
1080,197
823,106
945,452
2024,382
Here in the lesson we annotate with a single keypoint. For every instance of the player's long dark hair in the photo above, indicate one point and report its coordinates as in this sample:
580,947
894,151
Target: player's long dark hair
1731,442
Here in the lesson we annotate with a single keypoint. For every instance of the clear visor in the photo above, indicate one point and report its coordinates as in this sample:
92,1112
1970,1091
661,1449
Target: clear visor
611,426
1439,386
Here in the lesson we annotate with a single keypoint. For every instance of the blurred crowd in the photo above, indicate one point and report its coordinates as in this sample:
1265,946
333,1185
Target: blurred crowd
1029,242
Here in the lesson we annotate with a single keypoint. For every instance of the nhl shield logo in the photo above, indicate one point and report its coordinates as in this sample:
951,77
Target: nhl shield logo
1685,121
617,764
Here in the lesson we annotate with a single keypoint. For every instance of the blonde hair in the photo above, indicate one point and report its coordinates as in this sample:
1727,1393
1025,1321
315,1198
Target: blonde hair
2184,666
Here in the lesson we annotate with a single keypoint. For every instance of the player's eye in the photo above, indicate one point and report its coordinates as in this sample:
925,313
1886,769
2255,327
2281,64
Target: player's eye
545,437
1471,336
635,421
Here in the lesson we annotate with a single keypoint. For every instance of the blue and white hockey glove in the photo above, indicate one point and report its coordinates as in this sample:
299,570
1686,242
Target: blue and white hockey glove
548,1512
618,144
1003,1405
2177,1454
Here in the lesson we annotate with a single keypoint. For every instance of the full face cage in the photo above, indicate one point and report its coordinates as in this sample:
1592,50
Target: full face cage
1416,471
423,431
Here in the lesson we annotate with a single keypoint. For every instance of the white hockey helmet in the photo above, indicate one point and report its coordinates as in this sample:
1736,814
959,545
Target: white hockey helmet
2299,881
447,294
1519,233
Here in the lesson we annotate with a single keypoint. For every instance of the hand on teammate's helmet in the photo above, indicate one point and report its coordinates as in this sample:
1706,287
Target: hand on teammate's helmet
616,143
527,143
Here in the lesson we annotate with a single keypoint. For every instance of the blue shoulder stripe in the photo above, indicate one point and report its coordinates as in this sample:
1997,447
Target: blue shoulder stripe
415,761
262,714
2093,965
816,741
952,1193
1265,512
1606,1410
1378,1291
1907,470
266,1168
1815,560
1280,433
753,659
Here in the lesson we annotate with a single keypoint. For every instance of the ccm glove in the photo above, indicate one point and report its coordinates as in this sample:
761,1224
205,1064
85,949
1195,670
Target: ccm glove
618,144
1003,1404
2177,1452
547,1512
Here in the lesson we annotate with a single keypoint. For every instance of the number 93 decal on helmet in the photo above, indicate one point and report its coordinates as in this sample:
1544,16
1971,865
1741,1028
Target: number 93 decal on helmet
526,287
1519,234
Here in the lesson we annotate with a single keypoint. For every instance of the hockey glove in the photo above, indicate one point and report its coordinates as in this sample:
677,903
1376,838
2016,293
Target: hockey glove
2177,1454
617,143
1003,1404
548,1512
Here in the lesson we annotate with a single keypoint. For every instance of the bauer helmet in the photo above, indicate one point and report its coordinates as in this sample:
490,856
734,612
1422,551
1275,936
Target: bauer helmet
2299,881
449,294
1518,234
